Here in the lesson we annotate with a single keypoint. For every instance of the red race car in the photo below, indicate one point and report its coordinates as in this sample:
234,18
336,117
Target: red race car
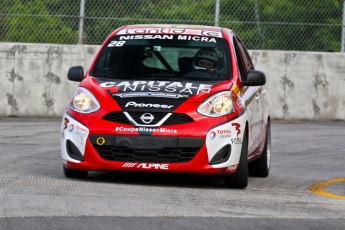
169,98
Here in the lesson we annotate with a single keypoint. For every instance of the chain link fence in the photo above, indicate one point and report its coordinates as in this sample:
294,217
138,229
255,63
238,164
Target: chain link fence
301,25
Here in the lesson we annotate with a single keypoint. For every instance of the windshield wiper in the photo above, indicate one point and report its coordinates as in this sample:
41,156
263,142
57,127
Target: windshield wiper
162,78
102,75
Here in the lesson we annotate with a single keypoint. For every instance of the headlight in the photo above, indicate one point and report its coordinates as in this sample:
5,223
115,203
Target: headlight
84,101
217,105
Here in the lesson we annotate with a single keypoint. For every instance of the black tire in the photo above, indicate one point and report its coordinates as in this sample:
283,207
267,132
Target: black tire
71,173
261,167
239,179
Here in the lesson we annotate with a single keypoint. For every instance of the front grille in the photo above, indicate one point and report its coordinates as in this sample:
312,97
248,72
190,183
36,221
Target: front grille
166,155
157,117
174,119
178,118
118,117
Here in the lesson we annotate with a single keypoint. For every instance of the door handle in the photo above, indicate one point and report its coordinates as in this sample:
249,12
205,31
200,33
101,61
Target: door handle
257,97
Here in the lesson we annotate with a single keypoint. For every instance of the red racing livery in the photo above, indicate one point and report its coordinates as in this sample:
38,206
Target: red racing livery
169,98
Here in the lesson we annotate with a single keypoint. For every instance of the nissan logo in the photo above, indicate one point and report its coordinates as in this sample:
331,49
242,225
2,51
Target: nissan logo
147,118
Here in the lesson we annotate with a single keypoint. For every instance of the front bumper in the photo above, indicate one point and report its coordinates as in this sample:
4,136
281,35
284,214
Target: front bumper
203,147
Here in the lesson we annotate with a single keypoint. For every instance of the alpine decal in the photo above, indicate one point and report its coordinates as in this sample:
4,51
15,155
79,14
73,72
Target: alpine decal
146,165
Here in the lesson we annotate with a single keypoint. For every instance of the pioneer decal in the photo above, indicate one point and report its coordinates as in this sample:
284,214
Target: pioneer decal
148,105
155,86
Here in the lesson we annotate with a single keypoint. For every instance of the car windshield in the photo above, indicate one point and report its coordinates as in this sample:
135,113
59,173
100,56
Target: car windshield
164,56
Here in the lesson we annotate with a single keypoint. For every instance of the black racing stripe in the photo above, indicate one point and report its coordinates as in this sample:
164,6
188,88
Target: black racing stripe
69,114
229,120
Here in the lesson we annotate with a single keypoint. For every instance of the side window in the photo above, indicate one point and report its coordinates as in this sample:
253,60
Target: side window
246,55
240,61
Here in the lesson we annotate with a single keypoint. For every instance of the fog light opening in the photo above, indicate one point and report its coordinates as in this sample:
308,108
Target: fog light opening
222,155
73,151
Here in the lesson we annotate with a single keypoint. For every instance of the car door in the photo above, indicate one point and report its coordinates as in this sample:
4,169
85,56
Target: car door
253,97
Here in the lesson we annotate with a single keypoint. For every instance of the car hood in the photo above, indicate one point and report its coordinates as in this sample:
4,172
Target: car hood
155,95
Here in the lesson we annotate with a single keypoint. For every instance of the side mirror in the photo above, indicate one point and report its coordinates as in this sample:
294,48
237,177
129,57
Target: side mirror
254,78
76,73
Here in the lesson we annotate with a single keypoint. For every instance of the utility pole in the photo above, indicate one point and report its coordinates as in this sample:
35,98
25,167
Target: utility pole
81,22
343,30
216,18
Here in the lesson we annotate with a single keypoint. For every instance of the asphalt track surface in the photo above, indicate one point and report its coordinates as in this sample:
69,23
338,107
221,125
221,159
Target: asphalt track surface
305,189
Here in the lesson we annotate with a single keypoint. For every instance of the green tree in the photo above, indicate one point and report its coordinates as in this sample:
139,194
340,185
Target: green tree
35,25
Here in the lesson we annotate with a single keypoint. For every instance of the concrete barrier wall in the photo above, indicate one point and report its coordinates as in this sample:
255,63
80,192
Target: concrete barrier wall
300,85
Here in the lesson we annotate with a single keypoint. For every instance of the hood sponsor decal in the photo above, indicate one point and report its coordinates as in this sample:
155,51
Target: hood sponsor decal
149,94
188,88
146,96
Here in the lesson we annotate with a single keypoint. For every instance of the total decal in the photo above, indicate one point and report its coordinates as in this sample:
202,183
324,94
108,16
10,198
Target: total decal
145,87
75,132
201,32
146,166
225,134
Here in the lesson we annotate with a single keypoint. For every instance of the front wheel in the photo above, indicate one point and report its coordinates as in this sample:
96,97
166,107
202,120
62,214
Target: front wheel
71,173
261,167
239,179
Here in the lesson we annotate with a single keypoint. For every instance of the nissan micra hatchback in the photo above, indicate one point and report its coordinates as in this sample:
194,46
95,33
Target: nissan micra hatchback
169,98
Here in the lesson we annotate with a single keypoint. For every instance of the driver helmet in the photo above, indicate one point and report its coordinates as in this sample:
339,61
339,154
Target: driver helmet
206,58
